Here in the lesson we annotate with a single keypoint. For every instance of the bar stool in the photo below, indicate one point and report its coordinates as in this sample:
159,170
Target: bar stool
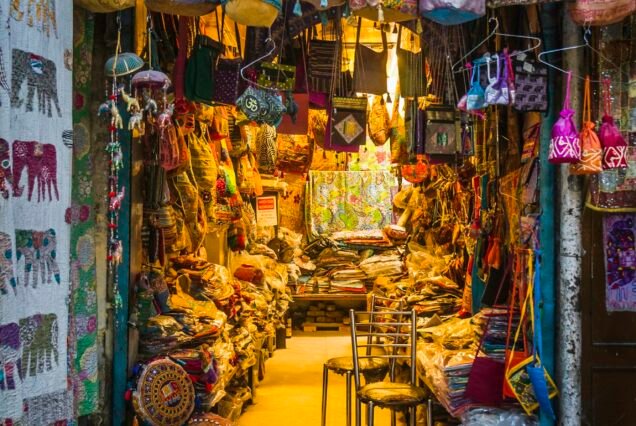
373,369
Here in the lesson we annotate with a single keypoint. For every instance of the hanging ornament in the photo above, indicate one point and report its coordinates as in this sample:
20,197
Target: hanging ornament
298,10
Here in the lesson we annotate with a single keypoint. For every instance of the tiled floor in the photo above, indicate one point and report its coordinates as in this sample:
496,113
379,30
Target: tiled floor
290,394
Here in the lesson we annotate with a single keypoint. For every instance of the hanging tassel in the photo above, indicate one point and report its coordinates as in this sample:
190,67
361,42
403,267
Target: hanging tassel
323,4
380,13
298,10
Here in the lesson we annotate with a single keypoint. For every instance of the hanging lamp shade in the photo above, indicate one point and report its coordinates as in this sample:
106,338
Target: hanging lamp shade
151,79
104,6
124,64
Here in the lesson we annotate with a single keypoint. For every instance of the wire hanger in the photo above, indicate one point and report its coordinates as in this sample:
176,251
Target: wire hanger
586,34
493,33
269,40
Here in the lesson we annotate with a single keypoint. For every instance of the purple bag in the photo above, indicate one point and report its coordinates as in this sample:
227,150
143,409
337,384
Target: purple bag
565,145
614,145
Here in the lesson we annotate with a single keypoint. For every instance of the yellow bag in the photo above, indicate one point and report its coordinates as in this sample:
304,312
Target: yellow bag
182,7
253,13
104,6
379,122
591,150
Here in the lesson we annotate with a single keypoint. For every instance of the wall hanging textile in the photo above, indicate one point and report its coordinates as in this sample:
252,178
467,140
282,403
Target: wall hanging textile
369,74
410,69
104,6
348,201
614,145
600,12
452,12
531,82
565,145
619,247
385,11
182,7
591,151
253,13
37,147
347,123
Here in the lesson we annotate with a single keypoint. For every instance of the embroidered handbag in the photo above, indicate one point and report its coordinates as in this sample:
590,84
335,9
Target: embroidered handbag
348,123
227,77
261,106
497,92
253,13
591,151
531,83
369,74
600,12
475,98
182,7
614,146
199,76
385,10
379,122
442,130
323,64
277,76
452,12
104,6
565,145
491,92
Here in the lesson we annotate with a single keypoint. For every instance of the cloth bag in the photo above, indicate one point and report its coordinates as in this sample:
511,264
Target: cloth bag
442,130
475,98
261,106
199,75
531,84
298,123
182,7
323,64
410,69
591,151
347,123
600,12
452,12
369,73
614,146
253,13
379,122
565,145
228,72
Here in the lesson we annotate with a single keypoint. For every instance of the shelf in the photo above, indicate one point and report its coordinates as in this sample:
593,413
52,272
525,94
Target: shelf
345,297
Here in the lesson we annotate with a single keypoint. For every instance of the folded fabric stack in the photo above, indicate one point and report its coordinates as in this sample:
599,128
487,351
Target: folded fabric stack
374,238
201,368
434,295
494,322
388,265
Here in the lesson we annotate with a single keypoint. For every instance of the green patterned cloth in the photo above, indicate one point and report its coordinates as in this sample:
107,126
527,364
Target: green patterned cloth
348,201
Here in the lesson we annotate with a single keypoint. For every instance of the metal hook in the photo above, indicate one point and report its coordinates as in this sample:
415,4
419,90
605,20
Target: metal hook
257,60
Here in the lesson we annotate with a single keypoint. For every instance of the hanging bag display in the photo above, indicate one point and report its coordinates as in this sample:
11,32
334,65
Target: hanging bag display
600,12
296,121
261,106
531,84
322,65
410,69
369,74
182,7
565,145
614,146
452,12
199,76
442,130
591,151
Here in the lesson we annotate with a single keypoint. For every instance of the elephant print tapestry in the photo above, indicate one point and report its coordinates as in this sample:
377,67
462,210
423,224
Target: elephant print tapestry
36,41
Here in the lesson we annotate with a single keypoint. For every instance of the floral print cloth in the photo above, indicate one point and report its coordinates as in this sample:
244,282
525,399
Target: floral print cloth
348,201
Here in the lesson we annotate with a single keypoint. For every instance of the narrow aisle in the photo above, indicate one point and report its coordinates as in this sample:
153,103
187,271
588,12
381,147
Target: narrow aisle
291,392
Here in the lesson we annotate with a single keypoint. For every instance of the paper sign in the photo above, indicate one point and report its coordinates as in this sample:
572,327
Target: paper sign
266,211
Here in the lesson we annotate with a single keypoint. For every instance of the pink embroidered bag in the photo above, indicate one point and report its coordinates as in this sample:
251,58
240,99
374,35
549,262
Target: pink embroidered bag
565,145
614,146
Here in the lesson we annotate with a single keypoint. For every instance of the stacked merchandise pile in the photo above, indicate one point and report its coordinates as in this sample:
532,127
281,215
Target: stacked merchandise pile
323,313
